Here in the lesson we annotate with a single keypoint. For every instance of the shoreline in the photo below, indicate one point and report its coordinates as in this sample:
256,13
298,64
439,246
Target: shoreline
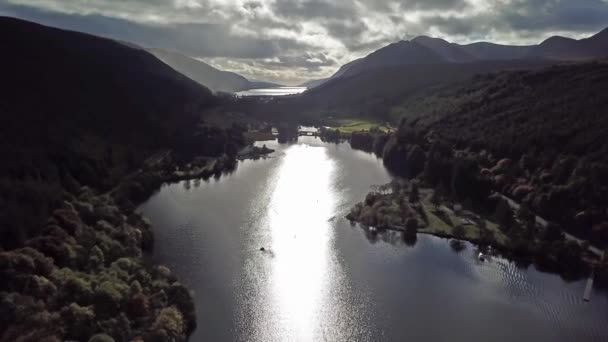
87,271
384,210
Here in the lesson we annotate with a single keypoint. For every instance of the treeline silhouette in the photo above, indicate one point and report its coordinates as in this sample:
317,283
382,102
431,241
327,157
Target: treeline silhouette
82,110
78,116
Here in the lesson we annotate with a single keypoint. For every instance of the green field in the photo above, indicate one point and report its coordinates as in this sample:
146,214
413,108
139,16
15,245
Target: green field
439,226
357,125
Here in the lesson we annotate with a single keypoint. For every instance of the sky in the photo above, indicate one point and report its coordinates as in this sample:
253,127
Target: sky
292,41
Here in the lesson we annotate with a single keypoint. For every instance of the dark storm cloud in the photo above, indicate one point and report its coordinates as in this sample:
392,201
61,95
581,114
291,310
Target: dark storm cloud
200,40
290,40
308,60
527,19
561,15
411,5
310,9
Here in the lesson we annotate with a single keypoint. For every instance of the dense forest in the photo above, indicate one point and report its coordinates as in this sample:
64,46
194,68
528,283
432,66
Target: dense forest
79,116
536,136
80,110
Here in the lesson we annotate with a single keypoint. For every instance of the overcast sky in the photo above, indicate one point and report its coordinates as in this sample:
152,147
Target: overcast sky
290,41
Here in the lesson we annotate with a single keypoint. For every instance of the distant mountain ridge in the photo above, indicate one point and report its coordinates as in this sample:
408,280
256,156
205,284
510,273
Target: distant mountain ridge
451,52
395,54
203,73
429,50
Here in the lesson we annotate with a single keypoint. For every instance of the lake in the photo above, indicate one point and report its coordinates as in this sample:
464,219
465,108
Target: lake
321,279
280,91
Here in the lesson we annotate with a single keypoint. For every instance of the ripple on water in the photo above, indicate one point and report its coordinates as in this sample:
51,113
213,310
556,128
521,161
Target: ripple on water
322,280
554,300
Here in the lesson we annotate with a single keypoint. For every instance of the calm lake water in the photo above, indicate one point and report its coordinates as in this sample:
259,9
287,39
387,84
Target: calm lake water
281,91
322,279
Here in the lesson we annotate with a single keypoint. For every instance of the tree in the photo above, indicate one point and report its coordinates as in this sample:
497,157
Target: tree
231,149
503,213
436,199
411,227
459,232
414,193
468,204
552,232
525,215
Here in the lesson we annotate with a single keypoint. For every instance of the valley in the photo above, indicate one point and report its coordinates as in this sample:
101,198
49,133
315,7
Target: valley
147,195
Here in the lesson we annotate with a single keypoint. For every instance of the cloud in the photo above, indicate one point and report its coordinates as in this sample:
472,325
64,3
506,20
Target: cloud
289,41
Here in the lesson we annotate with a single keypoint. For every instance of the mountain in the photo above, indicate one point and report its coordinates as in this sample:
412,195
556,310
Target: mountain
400,53
205,74
552,120
79,115
497,52
451,52
372,92
343,69
262,84
80,109
428,50
313,83
562,48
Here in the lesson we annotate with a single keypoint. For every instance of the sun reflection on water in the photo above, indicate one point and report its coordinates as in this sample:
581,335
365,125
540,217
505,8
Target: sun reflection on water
298,215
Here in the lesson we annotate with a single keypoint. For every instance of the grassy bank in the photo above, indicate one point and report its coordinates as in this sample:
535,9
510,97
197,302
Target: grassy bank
402,206
348,126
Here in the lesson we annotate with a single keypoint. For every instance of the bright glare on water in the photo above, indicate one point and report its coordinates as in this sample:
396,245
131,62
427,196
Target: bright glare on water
301,205
319,279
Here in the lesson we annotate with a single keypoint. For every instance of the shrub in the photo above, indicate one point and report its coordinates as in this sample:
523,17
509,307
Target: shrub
459,232
179,296
76,288
108,297
79,321
170,323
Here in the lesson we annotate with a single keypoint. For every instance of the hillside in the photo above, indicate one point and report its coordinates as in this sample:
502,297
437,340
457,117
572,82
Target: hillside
451,52
560,103
562,48
373,92
205,74
313,83
498,52
430,50
89,127
79,109
550,123
396,54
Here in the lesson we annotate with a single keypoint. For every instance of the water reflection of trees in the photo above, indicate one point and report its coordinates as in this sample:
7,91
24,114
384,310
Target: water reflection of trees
457,245
394,238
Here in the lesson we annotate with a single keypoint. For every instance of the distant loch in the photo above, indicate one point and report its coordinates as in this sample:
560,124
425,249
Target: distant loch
279,91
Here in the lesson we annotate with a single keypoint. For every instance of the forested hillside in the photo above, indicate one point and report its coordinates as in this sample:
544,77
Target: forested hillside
78,116
373,92
79,109
543,133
